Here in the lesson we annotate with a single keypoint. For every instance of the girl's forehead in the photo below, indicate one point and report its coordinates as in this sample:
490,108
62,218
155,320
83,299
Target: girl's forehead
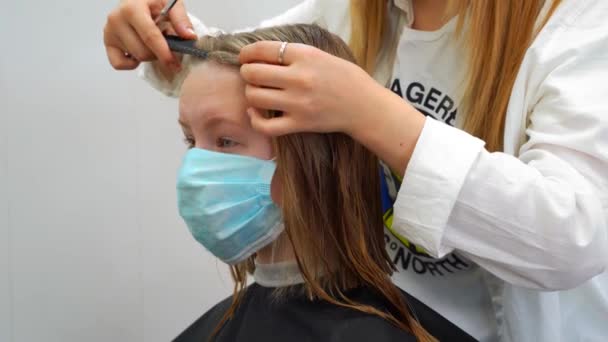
211,89
212,77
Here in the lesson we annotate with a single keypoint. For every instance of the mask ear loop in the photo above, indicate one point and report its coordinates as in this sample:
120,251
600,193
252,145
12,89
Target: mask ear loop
273,252
275,246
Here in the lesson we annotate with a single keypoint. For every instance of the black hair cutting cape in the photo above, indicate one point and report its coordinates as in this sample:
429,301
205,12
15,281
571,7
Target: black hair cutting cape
261,316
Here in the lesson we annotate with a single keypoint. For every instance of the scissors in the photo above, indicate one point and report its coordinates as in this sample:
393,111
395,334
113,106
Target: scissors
165,11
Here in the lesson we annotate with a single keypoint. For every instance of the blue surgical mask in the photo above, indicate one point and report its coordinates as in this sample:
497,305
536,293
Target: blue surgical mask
225,201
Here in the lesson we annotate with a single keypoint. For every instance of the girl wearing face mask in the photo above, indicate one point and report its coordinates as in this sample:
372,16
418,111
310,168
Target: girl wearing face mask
489,116
317,257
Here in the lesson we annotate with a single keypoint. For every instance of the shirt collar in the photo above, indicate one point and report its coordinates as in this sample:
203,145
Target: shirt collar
408,10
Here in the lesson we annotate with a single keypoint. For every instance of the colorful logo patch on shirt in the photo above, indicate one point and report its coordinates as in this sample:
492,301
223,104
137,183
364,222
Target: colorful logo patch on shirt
390,183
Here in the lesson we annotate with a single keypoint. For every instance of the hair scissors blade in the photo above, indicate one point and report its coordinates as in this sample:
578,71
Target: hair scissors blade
165,11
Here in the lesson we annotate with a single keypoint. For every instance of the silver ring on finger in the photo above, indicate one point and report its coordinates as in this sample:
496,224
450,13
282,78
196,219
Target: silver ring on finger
282,53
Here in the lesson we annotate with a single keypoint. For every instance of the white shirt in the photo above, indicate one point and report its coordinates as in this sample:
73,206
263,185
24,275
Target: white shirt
534,217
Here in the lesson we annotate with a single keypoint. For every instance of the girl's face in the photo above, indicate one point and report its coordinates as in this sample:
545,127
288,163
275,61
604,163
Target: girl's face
213,115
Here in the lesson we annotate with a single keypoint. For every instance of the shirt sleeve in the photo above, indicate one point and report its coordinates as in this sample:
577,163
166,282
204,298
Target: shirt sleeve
308,11
540,219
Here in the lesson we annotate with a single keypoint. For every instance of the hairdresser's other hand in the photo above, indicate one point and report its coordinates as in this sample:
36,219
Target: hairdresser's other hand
131,36
319,92
316,91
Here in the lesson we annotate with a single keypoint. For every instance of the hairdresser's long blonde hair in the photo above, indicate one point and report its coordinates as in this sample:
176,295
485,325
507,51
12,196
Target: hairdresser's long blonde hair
496,34
330,199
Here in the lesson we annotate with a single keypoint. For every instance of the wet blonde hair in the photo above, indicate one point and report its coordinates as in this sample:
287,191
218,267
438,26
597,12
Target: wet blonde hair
496,36
330,198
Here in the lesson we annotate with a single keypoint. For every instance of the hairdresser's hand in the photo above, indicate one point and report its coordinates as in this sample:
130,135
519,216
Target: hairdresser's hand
131,36
316,91
319,92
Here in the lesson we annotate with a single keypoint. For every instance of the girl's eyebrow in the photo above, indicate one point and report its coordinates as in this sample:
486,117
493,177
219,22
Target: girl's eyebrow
214,120
221,118
183,124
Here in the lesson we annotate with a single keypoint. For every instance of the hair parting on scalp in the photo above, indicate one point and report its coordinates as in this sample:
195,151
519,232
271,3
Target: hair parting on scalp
331,199
496,35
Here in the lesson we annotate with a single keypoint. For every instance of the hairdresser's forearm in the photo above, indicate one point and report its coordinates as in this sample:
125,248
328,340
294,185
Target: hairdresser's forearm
388,126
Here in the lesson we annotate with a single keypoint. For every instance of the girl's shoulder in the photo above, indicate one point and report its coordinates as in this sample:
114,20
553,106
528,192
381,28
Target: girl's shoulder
205,325
569,55
263,316
576,29
333,15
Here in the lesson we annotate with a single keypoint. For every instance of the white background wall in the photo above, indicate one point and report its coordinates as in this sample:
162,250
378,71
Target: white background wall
91,246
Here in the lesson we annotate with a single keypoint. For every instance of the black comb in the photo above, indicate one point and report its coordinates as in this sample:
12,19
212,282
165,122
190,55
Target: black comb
186,46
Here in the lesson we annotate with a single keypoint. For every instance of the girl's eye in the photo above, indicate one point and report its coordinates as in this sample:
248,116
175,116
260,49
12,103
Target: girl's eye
189,142
226,143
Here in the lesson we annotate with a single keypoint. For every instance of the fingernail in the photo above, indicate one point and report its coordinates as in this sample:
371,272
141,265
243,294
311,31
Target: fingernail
189,29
